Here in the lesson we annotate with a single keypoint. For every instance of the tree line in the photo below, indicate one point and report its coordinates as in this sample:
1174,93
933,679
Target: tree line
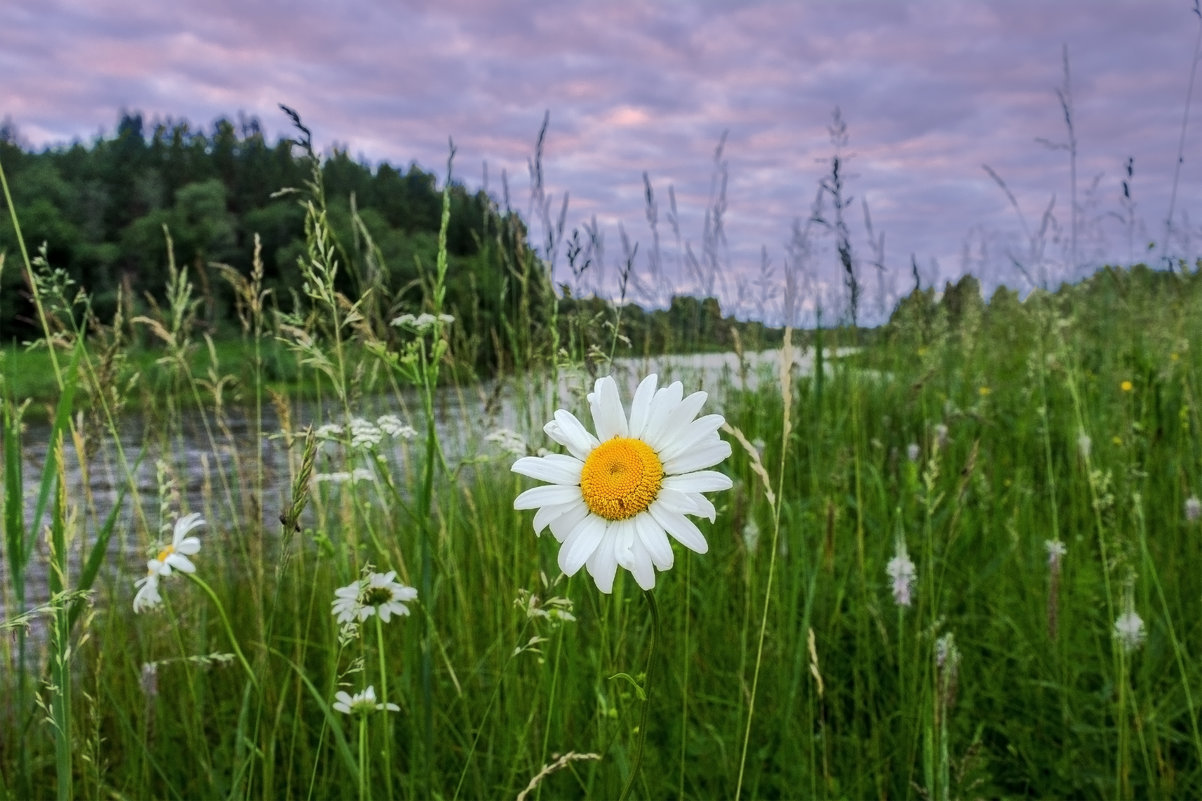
113,213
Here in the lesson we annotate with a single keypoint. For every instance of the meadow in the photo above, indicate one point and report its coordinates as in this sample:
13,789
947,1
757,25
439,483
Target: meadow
960,562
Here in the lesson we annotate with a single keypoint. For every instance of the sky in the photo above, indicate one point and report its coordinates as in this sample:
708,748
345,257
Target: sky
956,156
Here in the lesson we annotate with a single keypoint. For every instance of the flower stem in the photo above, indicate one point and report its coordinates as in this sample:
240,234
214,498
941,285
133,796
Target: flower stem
363,794
384,700
638,753
229,630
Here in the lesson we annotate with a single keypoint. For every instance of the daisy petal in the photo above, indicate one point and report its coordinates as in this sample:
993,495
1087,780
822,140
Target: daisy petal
640,407
631,555
694,433
571,433
603,565
655,541
698,481
544,516
680,417
580,544
606,407
684,530
663,406
565,524
704,456
684,503
547,494
188,546
186,524
557,468
180,563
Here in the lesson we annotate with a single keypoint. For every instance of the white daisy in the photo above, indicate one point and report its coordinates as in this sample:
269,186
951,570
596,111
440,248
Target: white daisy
361,702
147,596
175,556
374,594
172,557
614,497
383,595
346,606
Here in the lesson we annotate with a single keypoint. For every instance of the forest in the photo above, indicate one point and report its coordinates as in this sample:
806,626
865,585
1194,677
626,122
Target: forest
112,216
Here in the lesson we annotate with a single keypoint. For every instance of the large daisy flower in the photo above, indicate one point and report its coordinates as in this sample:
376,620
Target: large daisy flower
614,498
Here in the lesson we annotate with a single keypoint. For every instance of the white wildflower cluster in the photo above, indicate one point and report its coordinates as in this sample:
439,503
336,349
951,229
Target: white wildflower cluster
1084,445
913,452
508,441
421,323
344,476
377,594
366,434
361,703
173,556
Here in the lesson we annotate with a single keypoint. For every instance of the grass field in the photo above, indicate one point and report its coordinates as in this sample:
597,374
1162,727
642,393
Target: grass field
960,565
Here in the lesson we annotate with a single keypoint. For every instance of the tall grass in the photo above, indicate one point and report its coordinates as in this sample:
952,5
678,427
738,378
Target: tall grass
1034,459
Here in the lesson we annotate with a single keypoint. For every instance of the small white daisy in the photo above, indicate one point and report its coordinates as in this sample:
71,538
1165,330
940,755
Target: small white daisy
374,594
614,498
175,556
361,702
346,606
383,595
172,557
148,592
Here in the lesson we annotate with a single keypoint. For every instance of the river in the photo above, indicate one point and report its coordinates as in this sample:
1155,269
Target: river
200,459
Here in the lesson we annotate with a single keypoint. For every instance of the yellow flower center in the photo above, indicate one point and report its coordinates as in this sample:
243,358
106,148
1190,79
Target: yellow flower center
621,478
163,554
375,596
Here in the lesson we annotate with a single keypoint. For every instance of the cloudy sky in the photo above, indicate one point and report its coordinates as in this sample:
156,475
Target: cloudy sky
931,93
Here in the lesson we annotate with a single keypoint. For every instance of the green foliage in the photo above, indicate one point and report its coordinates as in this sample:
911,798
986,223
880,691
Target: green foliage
106,210
1002,678
1036,458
